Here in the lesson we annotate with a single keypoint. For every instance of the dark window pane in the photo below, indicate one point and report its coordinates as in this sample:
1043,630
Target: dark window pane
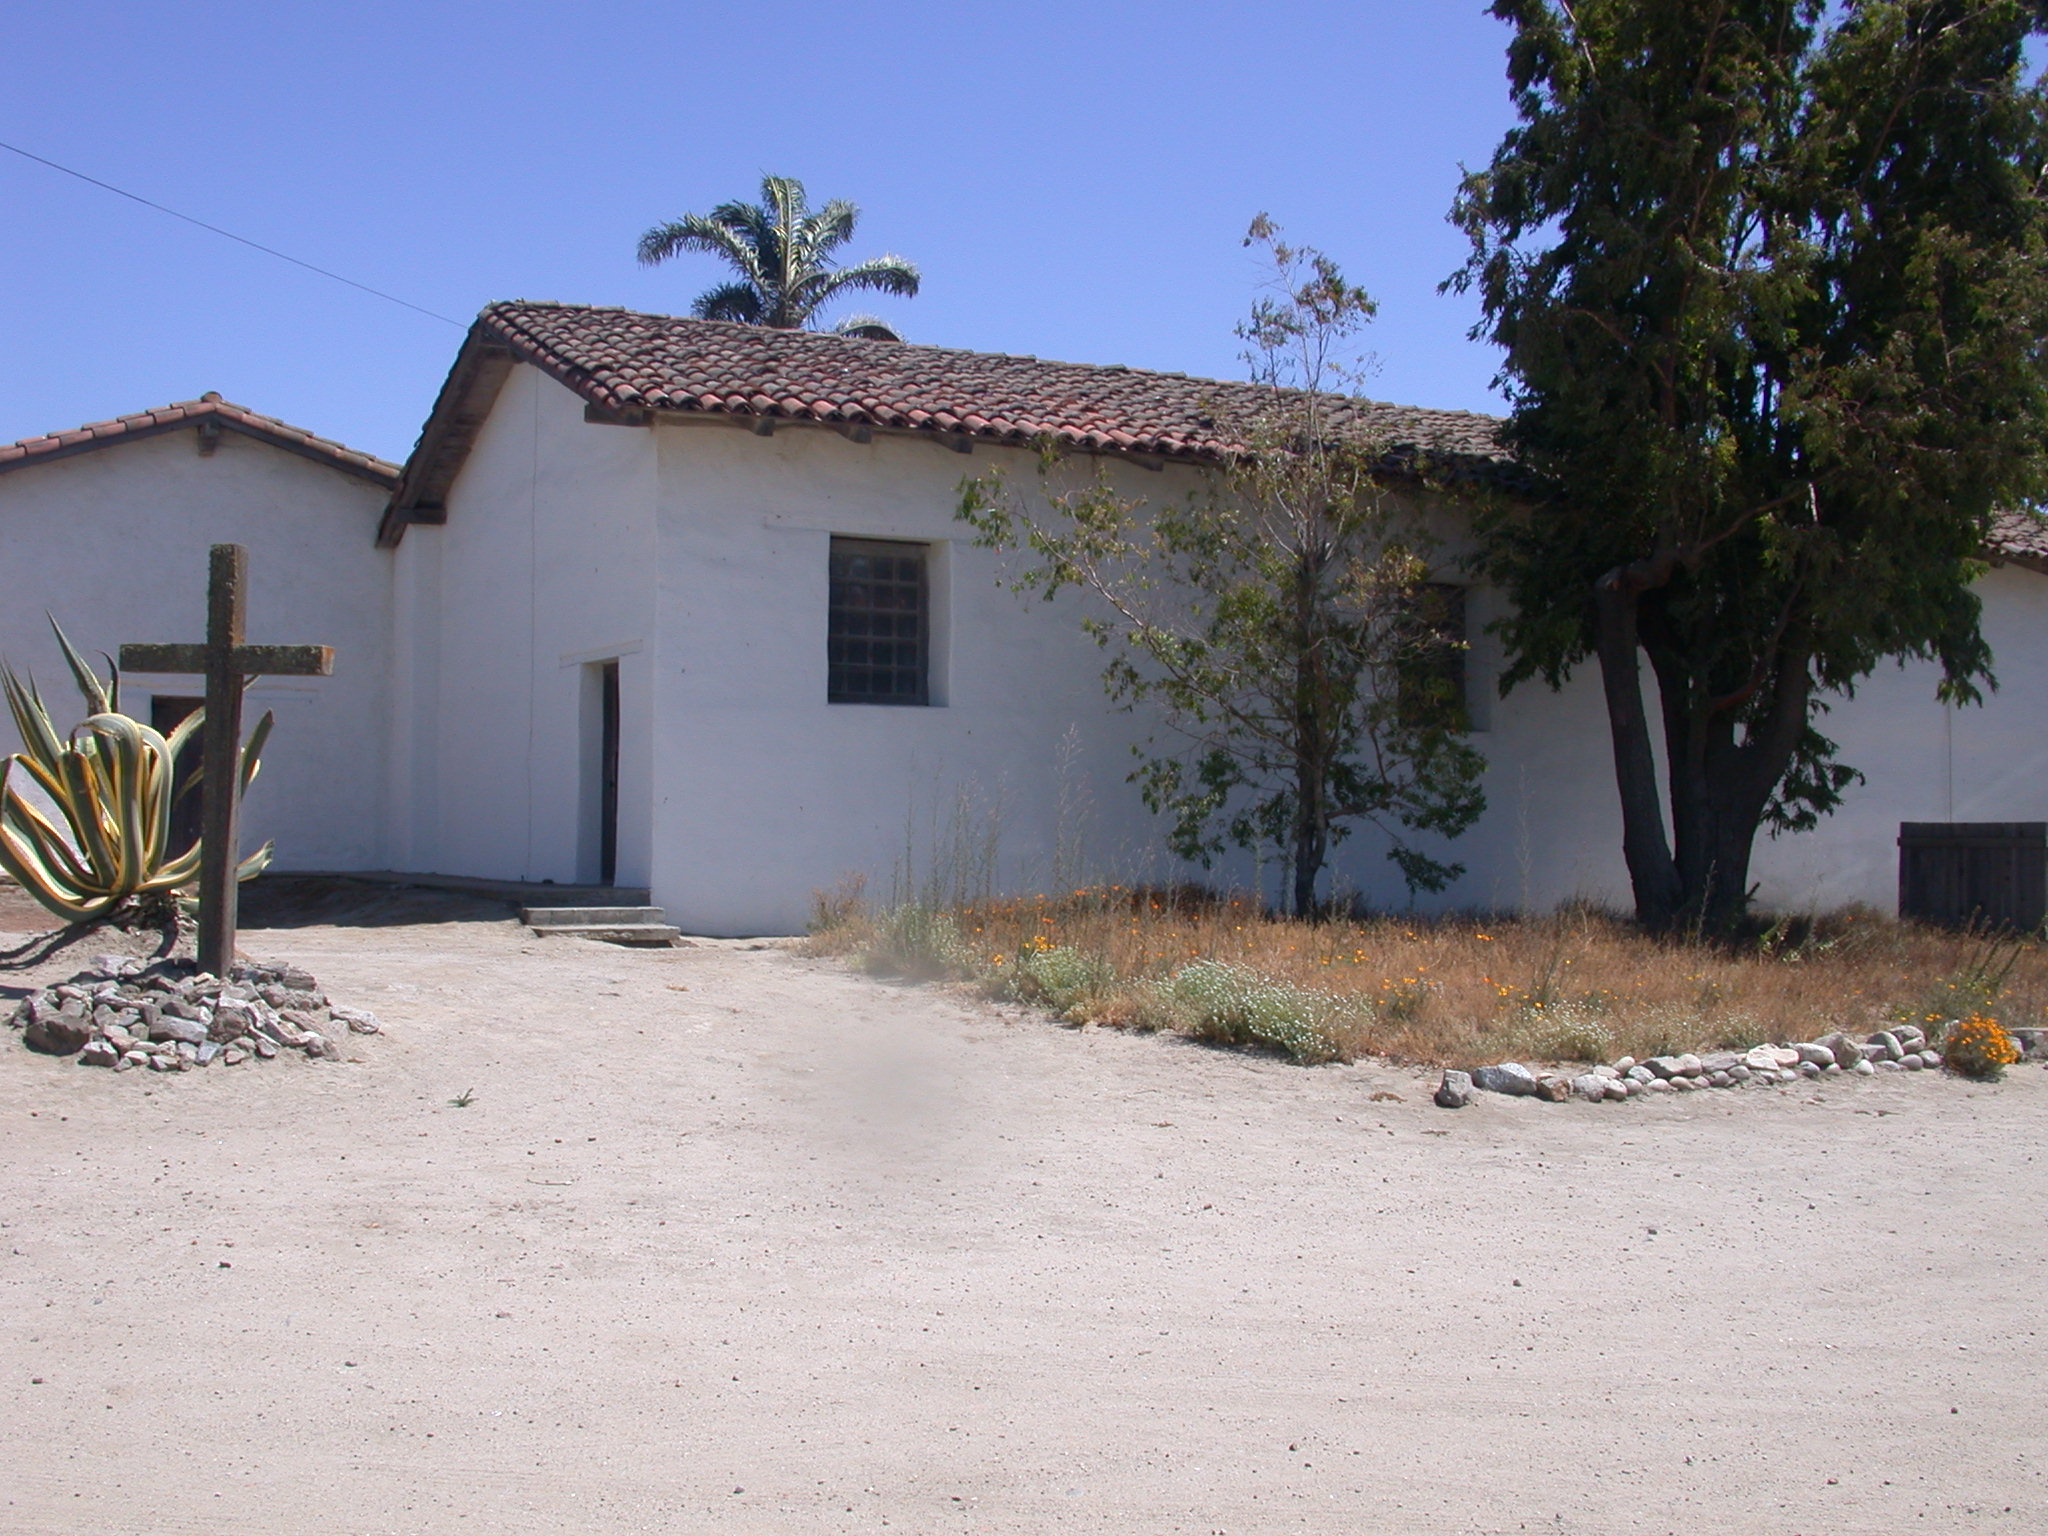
877,625
1432,677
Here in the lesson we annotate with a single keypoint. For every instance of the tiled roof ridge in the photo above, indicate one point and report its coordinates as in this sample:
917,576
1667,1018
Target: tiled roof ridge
923,346
1136,410
209,406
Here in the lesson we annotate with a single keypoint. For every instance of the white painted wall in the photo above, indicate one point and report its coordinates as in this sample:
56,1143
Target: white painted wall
456,734
544,566
767,793
114,542
1552,827
697,551
1927,762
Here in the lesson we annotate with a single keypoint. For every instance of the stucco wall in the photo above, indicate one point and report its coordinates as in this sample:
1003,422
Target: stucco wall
543,568
114,542
1926,761
697,553
766,792
1552,828
457,734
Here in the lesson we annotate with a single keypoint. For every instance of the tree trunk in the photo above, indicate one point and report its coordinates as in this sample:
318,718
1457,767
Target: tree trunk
1716,817
1720,785
1721,898
1713,830
1311,833
1697,748
1651,870
1311,836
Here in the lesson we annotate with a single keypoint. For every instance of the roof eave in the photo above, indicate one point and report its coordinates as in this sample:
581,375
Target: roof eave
2025,560
375,471
497,340
464,403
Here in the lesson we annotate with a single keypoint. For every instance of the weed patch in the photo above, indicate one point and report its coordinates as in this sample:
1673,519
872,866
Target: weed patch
1576,985
1234,1005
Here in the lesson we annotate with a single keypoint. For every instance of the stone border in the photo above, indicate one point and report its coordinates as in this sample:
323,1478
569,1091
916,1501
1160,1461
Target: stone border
1902,1048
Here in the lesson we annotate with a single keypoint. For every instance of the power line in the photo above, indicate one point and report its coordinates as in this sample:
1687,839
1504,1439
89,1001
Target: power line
238,239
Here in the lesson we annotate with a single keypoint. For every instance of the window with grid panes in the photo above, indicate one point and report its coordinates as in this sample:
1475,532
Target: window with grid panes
878,627
1435,675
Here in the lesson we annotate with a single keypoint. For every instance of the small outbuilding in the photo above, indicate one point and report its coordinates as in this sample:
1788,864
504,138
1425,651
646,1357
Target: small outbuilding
106,529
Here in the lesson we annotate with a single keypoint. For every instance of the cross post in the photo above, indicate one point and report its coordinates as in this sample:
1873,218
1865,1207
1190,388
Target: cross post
228,663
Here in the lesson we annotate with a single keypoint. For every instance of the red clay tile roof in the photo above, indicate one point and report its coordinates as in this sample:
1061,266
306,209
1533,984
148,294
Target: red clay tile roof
625,361
208,407
628,364
2020,538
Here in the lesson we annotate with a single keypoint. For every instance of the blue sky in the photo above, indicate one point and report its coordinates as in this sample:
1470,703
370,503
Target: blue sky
1073,179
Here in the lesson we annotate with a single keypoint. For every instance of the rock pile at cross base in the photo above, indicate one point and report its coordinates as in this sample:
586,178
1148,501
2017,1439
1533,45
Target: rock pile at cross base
164,1017
1902,1048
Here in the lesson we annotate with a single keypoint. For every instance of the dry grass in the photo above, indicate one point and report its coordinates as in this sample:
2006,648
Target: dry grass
1577,985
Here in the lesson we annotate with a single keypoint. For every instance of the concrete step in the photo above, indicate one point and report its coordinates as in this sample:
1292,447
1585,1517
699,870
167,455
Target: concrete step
612,933
621,924
587,917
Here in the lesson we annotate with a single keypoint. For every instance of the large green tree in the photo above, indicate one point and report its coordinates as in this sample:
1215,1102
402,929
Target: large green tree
782,249
1769,278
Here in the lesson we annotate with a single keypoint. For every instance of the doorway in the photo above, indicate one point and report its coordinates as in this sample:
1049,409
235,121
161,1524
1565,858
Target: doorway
601,730
166,713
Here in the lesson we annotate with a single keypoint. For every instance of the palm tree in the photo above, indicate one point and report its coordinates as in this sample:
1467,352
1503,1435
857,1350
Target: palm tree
783,253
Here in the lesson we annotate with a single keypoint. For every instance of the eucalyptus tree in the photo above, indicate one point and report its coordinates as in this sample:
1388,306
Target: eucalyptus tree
1771,281
782,250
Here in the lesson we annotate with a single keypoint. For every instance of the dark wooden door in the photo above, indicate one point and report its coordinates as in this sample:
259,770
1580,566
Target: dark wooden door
166,713
608,775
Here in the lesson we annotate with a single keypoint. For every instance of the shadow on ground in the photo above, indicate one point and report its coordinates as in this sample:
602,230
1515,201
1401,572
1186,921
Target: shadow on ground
309,901
31,937
269,902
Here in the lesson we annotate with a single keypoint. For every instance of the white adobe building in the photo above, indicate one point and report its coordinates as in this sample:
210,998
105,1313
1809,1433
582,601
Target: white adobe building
592,632
107,527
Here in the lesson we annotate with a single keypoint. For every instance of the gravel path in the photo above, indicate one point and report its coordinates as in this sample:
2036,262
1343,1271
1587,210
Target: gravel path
730,1239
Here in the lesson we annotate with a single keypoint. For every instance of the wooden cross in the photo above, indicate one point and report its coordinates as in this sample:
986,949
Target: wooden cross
228,665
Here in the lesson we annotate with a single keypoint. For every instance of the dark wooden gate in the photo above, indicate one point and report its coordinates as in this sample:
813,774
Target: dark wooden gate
1984,873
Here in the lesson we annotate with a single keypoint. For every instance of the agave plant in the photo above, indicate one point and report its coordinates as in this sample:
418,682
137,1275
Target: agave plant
109,784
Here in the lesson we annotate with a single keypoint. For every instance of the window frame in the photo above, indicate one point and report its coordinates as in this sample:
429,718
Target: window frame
1441,610
842,616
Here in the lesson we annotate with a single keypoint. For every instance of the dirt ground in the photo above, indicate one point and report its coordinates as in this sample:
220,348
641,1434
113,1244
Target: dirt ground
730,1239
